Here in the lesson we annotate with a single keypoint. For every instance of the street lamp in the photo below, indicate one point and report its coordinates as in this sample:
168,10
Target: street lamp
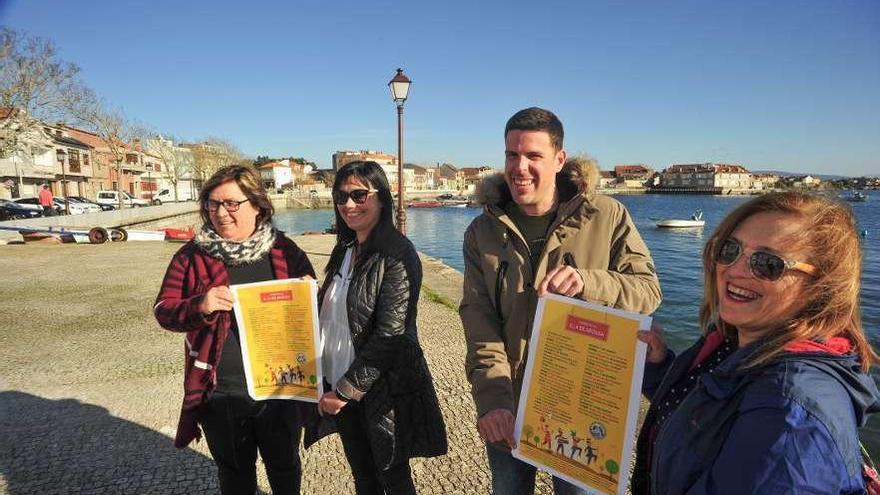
61,155
399,88
149,167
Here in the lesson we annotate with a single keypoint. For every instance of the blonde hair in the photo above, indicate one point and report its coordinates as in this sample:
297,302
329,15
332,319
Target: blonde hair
832,309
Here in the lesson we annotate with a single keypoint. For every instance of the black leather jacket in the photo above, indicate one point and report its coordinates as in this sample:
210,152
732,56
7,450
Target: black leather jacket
389,375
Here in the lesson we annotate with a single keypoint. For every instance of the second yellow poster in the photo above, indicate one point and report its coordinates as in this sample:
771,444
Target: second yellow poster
576,417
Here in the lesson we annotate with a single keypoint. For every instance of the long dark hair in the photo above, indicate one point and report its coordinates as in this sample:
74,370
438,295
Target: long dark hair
372,175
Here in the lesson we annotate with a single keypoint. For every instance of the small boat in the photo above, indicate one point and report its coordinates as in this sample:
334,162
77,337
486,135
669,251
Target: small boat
454,204
857,197
145,235
99,235
182,235
695,221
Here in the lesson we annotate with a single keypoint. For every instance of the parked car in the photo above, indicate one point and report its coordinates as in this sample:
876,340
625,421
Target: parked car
10,210
166,195
89,201
112,198
77,207
36,202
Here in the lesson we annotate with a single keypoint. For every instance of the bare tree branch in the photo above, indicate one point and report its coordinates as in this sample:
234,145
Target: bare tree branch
35,87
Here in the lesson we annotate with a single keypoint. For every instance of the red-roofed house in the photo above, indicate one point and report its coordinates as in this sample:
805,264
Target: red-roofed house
276,175
633,176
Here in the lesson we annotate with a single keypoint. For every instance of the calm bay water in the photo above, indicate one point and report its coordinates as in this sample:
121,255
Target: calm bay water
438,232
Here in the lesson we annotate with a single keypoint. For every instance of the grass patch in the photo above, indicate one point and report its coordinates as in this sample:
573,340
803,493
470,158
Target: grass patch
437,297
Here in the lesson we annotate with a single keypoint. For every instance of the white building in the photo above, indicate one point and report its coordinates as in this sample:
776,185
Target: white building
276,175
707,176
170,164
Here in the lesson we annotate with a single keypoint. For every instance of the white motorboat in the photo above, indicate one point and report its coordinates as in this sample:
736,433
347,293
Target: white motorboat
857,197
695,221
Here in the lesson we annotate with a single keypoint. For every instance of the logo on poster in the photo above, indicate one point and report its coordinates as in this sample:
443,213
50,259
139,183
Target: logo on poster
279,295
587,327
597,429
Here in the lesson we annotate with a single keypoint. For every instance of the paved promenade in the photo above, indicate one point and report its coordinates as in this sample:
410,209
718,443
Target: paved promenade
90,386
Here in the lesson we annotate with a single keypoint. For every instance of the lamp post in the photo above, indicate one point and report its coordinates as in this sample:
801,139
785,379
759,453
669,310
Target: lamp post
119,181
399,89
61,155
149,167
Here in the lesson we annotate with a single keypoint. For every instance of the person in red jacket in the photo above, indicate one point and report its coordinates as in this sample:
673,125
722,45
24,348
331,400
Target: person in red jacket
47,201
237,244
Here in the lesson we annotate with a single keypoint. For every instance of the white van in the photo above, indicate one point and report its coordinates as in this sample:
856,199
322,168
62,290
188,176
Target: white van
166,195
112,198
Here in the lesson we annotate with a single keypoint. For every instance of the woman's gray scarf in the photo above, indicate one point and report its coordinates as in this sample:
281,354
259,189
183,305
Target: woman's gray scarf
236,252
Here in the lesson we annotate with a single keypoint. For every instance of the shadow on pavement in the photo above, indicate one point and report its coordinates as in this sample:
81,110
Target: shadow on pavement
66,446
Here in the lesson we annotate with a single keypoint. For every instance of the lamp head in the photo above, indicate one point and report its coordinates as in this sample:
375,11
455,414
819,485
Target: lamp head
399,85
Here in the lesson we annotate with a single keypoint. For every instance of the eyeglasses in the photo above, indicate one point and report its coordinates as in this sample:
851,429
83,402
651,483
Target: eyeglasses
763,265
231,206
359,196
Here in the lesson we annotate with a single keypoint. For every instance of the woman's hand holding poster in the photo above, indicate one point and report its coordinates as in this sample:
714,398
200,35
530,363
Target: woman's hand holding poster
577,413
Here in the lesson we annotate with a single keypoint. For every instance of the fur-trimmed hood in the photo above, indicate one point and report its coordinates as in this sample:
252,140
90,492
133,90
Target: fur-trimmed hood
579,175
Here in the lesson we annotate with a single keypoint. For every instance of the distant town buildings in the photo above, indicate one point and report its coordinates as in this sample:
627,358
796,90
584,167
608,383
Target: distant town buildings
633,176
340,158
705,177
59,154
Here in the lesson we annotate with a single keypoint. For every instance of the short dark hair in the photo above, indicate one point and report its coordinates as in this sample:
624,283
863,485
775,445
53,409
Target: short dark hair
537,119
250,183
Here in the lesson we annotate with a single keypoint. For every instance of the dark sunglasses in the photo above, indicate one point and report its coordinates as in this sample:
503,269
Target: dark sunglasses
763,265
359,196
230,205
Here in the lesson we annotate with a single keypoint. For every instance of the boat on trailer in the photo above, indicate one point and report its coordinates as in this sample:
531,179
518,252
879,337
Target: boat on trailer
98,235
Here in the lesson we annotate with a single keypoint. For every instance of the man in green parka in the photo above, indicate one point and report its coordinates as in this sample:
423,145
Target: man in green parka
543,230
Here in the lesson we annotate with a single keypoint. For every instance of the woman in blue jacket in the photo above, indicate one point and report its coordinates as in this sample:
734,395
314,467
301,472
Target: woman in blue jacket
770,398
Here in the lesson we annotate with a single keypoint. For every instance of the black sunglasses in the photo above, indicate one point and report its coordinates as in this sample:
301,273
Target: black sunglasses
763,265
359,196
230,205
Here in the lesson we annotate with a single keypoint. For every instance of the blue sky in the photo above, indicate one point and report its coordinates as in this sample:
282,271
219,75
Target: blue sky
785,85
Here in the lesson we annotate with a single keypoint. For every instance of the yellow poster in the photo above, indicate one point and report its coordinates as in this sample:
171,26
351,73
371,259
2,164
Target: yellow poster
577,413
278,331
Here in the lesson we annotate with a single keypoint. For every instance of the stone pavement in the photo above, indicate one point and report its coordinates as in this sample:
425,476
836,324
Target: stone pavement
90,386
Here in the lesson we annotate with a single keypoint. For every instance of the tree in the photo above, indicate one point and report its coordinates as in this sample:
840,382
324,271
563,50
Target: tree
35,87
213,154
303,161
611,467
177,161
528,432
116,130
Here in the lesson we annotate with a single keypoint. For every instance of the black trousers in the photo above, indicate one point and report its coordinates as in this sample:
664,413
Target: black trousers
369,479
236,427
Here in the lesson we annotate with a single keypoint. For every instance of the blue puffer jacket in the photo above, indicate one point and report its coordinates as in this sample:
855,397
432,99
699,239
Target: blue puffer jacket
787,427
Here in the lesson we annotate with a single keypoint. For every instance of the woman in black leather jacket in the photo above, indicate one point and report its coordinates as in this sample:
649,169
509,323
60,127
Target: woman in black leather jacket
383,401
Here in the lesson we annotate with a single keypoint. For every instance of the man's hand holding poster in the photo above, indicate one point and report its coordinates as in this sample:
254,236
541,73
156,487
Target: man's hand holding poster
577,413
278,331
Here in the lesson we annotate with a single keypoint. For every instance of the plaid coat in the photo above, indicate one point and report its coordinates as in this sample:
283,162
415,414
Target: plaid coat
190,275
